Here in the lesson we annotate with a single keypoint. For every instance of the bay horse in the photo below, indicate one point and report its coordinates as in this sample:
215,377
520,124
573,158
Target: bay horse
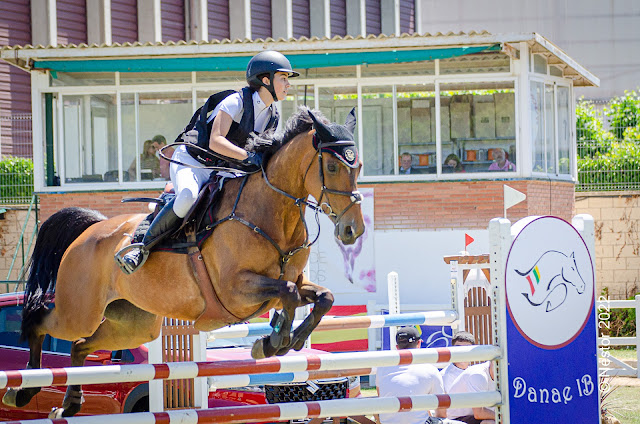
97,306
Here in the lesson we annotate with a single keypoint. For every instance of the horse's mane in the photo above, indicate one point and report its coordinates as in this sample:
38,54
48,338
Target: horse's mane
270,142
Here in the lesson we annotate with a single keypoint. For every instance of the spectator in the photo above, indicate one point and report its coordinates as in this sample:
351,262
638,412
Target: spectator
476,378
454,369
500,161
159,142
405,380
406,166
453,163
149,163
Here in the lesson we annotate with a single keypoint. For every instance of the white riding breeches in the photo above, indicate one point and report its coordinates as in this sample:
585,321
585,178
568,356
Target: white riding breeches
187,181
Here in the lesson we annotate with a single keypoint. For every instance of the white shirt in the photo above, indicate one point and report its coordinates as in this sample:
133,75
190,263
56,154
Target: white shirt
449,374
474,379
406,380
233,106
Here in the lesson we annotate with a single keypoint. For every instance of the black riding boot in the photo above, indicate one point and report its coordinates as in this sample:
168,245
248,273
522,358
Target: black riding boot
131,257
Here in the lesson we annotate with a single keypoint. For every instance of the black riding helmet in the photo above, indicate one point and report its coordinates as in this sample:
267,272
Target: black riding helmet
268,62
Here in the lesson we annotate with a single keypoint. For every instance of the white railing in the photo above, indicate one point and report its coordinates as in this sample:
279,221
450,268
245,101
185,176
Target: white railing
605,343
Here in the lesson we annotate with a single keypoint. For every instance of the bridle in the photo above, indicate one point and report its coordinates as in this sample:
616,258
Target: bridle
319,207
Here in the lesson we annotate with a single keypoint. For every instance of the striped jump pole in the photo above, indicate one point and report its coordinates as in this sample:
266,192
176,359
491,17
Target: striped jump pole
183,370
243,380
343,323
291,411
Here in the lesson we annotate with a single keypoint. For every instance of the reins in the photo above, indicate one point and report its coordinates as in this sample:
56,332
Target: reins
325,208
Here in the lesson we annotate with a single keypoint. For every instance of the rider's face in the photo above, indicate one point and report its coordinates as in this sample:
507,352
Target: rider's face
281,84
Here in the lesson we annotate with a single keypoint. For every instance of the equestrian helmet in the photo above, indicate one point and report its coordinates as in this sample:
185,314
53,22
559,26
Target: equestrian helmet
268,62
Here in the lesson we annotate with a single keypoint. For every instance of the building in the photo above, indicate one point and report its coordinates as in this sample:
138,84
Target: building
474,95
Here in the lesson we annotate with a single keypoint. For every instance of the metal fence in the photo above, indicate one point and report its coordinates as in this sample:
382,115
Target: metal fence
608,158
16,161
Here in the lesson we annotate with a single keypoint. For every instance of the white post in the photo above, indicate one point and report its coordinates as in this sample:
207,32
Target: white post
500,240
156,395
393,287
457,296
201,388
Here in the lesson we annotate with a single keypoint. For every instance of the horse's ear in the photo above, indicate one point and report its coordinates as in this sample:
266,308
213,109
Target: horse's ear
321,129
350,123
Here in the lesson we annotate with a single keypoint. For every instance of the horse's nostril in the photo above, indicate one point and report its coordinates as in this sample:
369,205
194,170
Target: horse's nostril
348,232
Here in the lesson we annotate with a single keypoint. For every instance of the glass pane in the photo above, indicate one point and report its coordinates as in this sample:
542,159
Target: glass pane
399,69
416,129
478,127
158,114
377,127
537,126
66,79
135,78
539,64
298,96
549,128
564,131
90,142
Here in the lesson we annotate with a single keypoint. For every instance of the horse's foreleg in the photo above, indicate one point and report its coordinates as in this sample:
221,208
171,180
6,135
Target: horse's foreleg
21,397
322,300
260,289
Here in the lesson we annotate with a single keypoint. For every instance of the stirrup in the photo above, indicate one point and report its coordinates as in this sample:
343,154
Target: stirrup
124,266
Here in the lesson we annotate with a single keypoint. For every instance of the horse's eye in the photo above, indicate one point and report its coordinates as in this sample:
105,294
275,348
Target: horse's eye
332,167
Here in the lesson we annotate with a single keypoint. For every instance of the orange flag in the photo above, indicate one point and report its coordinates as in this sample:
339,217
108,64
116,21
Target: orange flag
467,240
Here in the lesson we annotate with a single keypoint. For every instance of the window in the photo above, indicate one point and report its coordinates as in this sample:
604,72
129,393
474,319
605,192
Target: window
416,129
10,319
145,116
90,141
477,128
377,130
551,128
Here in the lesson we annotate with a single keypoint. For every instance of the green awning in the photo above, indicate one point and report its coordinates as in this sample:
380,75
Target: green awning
239,63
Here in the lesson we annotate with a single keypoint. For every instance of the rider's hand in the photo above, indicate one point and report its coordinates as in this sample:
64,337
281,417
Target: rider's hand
253,158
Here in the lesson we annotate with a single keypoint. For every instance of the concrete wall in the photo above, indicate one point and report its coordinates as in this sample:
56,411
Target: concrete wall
617,220
10,230
602,35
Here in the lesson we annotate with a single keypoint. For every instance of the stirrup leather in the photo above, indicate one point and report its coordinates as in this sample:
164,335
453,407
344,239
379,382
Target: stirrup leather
126,263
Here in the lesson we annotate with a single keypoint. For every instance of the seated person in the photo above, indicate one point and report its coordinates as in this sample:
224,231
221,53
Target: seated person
148,162
158,143
500,161
406,164
476,378
453,164
406,380
454,369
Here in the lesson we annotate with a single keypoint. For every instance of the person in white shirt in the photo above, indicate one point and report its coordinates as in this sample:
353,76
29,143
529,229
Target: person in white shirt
476,378
454,369
406,380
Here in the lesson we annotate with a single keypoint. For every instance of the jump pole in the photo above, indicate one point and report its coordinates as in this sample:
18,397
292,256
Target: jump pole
290,411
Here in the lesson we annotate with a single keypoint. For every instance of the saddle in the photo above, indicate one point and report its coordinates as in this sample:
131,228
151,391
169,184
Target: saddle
200,214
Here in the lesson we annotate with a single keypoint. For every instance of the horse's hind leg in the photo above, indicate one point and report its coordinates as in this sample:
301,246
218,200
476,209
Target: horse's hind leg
21,397
125,327
322,300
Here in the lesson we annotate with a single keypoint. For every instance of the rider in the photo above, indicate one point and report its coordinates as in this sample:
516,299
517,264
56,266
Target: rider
234,118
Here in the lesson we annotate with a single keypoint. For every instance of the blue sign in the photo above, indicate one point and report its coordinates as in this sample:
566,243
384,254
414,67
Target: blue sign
551,325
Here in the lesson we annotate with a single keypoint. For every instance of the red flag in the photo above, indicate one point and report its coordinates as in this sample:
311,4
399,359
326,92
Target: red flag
467,240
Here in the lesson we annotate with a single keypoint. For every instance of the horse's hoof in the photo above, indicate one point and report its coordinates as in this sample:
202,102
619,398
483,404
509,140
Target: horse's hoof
257,351
19,398
55,413
10,397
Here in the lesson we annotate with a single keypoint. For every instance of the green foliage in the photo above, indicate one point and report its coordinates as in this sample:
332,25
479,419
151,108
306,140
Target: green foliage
592,137
621,322
16,180
624,112
619,166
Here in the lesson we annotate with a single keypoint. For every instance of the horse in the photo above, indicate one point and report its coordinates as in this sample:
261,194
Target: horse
254,258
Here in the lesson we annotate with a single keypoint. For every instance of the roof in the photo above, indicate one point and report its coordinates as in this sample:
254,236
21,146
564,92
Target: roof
303,52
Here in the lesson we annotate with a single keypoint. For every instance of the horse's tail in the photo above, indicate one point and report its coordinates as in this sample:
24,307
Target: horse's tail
55,236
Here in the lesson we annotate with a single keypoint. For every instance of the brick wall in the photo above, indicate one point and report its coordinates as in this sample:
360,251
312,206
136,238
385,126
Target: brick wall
106,202
617,247
466,204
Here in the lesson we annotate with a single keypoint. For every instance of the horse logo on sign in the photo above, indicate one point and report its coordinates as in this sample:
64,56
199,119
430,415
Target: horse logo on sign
549,282
548,279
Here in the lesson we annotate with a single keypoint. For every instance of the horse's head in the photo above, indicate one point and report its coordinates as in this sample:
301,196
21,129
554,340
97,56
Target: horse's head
337,170
571,274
